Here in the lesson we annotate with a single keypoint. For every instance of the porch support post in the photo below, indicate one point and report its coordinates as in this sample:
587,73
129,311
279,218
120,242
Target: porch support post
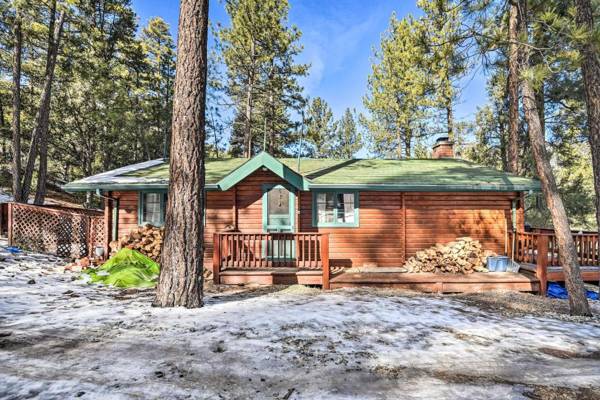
325,260
520,226
235,209
216,259
541,271
404,240
108,221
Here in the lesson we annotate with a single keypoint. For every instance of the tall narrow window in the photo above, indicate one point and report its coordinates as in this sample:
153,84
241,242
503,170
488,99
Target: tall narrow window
335,208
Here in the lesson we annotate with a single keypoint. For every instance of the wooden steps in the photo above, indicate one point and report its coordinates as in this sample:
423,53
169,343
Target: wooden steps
273,276
440,283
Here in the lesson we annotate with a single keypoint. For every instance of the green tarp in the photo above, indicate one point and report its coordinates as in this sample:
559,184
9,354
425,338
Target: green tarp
126,269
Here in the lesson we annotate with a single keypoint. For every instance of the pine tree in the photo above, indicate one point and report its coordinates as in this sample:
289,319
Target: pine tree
445,57
159,50
590,69
259,50
347,140
320,128
567,252
181,279
398,87
516,17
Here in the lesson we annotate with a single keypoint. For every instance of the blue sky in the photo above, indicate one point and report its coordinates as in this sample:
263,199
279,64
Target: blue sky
338,37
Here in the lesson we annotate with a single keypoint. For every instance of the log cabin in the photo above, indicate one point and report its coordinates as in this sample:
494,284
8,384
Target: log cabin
316,221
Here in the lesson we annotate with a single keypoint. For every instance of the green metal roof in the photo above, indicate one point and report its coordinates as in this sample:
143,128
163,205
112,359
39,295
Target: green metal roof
366,174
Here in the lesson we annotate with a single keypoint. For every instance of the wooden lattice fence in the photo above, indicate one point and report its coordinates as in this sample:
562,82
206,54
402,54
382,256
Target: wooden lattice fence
65,232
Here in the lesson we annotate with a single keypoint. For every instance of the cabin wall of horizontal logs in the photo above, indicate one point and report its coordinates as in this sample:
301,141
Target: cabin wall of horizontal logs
393,226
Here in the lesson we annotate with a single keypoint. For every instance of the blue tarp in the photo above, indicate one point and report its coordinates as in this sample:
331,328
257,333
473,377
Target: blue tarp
14,250
556,291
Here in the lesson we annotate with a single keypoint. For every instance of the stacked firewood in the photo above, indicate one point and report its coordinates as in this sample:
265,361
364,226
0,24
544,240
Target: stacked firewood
146,239
462,256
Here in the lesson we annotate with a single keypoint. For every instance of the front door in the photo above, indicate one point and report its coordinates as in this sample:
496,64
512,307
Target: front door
278,217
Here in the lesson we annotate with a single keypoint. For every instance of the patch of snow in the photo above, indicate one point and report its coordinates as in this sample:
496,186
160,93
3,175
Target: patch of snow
5,197
61,338
115,175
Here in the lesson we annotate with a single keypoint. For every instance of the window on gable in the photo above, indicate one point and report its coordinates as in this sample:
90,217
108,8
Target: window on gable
335,208
152,208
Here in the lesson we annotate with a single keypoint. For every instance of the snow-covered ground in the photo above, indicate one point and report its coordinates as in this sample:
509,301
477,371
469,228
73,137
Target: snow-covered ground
61,338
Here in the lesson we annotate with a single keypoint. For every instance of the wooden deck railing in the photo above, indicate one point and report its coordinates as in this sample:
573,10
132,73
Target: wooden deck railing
542,250
252,251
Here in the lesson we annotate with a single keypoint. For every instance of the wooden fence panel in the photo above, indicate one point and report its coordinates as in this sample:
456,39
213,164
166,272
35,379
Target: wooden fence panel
60,231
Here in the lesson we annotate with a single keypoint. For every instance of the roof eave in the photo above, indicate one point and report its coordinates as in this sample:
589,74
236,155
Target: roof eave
91,187
428,188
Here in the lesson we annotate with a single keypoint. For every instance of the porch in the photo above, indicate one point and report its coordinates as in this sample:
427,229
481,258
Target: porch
271,258
303,258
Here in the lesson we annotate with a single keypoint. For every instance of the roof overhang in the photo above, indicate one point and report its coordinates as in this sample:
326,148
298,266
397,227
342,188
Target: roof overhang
72,188
427,188
122,179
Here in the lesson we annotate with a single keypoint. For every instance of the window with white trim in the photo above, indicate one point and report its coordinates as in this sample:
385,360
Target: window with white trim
335,208
152,208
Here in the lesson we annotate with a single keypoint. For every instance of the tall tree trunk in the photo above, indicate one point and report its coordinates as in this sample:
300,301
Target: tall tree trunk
591,77
450,118
249,106
40,192
567,252
271,125
248,123
540,101
181,279
42,117
16,112
514,18
400,144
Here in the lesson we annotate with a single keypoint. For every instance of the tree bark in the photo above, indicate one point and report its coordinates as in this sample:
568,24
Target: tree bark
450,119
400,144
590,69
42,117
567,251
513,85
270,124
408,144
248,123
16,112
181,279
249,107
40,192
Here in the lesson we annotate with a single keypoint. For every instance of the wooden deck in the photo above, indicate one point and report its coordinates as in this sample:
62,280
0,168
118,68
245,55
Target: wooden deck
556,273
267,258
538,252
440,283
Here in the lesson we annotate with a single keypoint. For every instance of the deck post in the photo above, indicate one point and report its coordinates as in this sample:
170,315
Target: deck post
216,259
541,270
325,260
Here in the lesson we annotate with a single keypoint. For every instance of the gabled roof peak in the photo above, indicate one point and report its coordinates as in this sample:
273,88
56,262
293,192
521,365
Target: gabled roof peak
263,160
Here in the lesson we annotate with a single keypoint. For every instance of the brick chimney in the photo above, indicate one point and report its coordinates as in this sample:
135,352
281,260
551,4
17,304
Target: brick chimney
443,148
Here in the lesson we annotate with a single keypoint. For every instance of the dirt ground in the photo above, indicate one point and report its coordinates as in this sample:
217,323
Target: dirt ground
61,338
